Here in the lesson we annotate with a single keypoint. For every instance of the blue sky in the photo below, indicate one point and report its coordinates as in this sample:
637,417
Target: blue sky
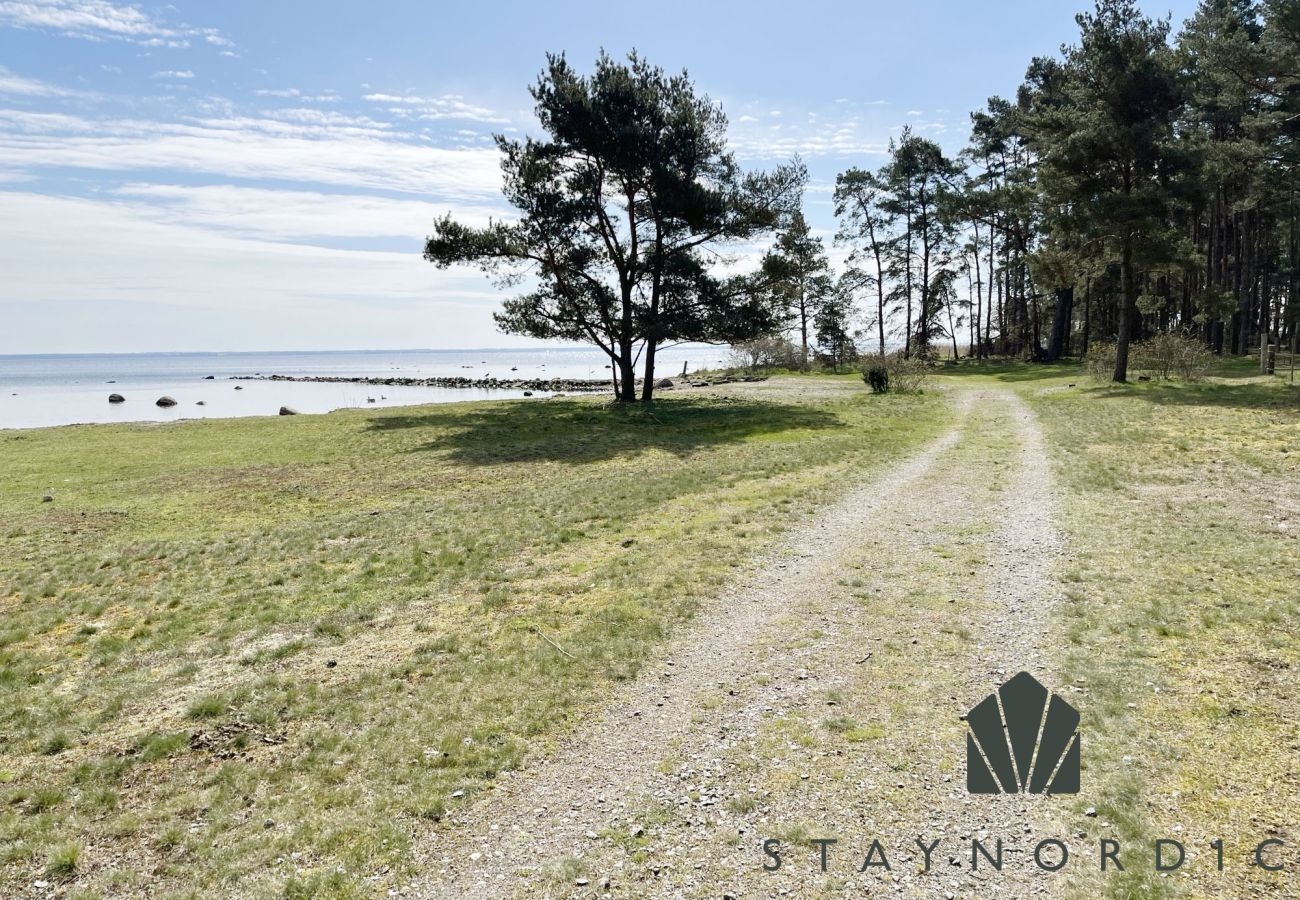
255,176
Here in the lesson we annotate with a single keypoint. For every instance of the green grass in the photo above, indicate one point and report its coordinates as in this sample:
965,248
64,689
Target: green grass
1181,618
271,651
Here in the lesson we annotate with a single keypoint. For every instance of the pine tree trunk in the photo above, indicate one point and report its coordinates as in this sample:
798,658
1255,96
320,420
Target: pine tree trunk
1126,304
648,386
803,328
626,374
1060,323
1087,316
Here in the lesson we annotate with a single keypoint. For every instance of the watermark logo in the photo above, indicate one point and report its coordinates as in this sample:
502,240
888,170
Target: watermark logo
1022,739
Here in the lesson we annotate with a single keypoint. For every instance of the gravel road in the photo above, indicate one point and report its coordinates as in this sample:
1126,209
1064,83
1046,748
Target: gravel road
820,696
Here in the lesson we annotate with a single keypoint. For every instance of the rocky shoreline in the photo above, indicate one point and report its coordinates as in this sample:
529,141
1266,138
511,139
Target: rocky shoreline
528,385
554,385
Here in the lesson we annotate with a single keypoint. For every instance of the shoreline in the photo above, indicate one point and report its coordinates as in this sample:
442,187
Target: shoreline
527,384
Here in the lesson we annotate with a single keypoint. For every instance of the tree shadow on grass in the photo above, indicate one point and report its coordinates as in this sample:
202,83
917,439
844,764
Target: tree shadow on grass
577,432
1250,395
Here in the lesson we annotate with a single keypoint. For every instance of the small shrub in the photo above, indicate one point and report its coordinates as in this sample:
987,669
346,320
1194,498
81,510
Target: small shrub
895,372
1165,356
1173,356
765,353
1099,363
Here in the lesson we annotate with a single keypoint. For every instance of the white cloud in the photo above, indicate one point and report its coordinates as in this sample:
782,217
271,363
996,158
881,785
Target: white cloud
11,83
448,106
293,215
295,94
214,291
184,74
102,20
327,119
249,148
824,137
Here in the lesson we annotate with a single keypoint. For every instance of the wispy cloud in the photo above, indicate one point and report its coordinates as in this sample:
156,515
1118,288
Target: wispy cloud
218,285
754,140
263,149
12,84
103,20
295,215
447,106
295,94
182,74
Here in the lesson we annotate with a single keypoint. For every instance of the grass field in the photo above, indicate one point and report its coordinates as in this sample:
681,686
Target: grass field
1182,623
272,651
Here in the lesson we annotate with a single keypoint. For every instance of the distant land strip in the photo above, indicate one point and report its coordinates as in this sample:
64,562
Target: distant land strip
555,385
527,384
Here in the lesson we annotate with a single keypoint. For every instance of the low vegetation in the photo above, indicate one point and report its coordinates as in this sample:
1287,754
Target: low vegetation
885,372
277,651
1165,357
1180,621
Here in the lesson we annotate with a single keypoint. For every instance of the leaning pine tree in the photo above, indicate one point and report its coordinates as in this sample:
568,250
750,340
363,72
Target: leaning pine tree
622,210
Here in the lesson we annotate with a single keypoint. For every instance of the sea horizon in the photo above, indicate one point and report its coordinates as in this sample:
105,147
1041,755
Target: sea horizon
52,389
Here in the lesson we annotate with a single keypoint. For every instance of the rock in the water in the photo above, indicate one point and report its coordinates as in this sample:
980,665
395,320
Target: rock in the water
116,398
528,393
166,401
201,403
664,383
288,411
209,377
239,387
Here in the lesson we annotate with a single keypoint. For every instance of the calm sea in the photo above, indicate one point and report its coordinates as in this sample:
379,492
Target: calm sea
64,389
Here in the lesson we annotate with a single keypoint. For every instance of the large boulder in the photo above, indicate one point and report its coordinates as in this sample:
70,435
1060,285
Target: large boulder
288,411
664,383
166,401
116,398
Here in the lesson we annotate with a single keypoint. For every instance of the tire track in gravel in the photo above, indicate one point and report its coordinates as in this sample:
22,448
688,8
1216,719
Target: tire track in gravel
500,846
819,697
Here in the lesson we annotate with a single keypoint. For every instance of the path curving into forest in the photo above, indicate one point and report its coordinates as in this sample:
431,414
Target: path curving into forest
784,708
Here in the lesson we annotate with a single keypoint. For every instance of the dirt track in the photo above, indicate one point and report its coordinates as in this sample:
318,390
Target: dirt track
819,697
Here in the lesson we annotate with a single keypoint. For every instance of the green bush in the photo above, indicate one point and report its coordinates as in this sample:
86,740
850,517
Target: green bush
1173,356
895,372
1099,362
1163,356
